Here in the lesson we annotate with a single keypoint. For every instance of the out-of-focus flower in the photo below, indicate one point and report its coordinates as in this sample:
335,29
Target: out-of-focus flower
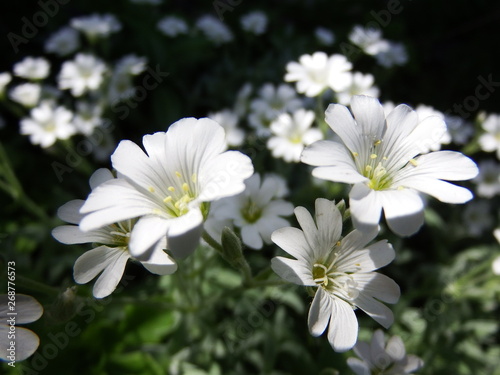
380,358
87,117
27,310
314,73
131,64
254,22
242,101
169,187
96,25
257,211
340,268
172,26
459,129
84,73
47,124
215,30
382,158
26,94
291,133
229,121
34,68
490,140
63,42
488,180
5,79
111,253
368,39
360,84
477,218
324,36
391,53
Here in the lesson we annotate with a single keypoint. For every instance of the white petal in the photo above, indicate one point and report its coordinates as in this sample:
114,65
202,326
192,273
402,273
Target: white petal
28,309
375,309
308,226
160,263
355,241
70,211
92,262
343,329
146,233
292,241
369,115
428,132
292,270
185,244
27,343
251,237
396,348
377,285
328,221
111,276
377,349
367,260
341,122
327,153
441,190
267,225
365,207
72,234
279,208
99,177
362,350
358,366
413,363
346,175
403,210
320,312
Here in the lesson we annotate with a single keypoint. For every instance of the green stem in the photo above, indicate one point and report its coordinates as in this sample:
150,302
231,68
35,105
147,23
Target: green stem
213,243
36,286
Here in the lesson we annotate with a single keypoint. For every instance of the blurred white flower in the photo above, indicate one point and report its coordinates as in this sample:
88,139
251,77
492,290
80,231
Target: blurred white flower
63,42
215,30
254,22
27,310
169,187
314,73
87,117
120,85
391,53
368,39
131,64
490,139
84,73
488,180
47,124
270,103
340,268
26,94
229,121
381,157
459,129
34,68
5,79
110,253
438,136
172,26
495,266
96,25
290,133
257,211
477,217
242,101
380,358
360,84
324,36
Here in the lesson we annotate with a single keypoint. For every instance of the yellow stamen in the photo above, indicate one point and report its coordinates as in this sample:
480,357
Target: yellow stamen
194,178
377,142
167,199
373,156
178,174
368,168
151,189
413,162
171,188
355,154
185,186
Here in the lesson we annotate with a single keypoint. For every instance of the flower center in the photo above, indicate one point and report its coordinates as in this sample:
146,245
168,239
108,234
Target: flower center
121,233
176,201
374,167
251,212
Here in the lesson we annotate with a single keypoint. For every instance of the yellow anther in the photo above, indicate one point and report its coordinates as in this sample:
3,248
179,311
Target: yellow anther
177,204
355,154
401,187
384,158
413,162
194,178
377,142
178,174
156,211
338,243
171,188
167,199
368,168
373,156
185,186
151,189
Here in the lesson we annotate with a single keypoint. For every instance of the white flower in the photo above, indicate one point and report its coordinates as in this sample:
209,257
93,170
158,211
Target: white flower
290,133
63,42
26,94
87,117
254,22
368,39
229,121
441,138
488,179
214,29
47,124
5,79
383,359
96,25
82,74
131,64
242,100
477,217
490,140
324,36
459,129
172,26
314,73
340,268
111,253
32,68
391,53
257,211
27,310
167,188
380,157
359,84
271,102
